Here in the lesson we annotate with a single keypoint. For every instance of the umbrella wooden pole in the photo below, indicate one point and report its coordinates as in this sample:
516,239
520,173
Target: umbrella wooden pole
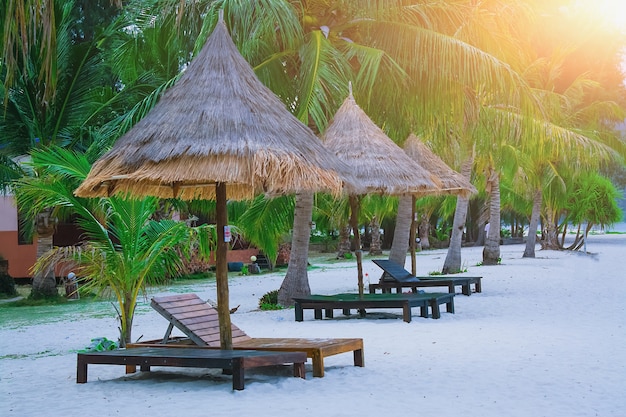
221,269
412,237
354,220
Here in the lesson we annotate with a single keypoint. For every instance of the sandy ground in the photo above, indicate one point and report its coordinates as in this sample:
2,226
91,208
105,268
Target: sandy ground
546,337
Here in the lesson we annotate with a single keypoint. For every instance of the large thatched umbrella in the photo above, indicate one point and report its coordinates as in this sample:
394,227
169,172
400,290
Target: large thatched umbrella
377,163
451,181
218,125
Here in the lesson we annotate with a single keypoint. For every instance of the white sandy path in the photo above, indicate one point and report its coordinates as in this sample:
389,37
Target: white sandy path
545,338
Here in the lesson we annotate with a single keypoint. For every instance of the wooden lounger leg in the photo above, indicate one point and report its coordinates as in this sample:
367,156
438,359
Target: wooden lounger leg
318,313
131,369
450,305
81,371
329,313
434,307
318,364
298,311
466,290
359,360
479,286
346,311
298,370
238,374
406,312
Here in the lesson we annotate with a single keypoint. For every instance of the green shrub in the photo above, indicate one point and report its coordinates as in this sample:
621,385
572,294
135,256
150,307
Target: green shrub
7,286
269,301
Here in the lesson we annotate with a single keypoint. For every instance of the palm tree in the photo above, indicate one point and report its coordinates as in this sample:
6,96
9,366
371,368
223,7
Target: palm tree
53,86
124,250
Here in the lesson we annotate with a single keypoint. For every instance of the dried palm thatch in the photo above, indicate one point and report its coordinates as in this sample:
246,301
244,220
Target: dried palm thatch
218,124
376,162
451,181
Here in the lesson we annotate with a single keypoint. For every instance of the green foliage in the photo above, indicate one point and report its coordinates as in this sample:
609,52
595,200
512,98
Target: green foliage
195,276
244,270
269,301
33,300
7,286
124,249
593,200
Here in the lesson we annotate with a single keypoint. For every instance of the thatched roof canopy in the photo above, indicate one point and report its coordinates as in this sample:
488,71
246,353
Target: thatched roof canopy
377,163
451,181
218,124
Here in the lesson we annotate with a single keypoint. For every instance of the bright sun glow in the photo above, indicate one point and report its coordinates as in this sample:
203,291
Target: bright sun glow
612,12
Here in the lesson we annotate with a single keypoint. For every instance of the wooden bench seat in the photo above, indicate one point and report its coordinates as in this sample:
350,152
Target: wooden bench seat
347,302
233,361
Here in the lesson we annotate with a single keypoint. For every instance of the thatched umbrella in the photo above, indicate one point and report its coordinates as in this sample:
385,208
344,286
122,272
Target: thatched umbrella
377,164
451,181
218,125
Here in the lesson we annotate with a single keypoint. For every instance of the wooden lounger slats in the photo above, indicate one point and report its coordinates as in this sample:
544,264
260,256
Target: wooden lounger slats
199,322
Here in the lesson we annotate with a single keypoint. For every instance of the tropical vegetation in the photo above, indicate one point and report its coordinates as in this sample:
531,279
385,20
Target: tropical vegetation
509,93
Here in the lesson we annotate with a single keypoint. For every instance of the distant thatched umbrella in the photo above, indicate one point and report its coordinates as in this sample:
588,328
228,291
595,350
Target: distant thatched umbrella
377,164
218,125
451,181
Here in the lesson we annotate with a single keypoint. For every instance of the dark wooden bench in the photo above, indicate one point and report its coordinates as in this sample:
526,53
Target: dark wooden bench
443,281
347,302
231,361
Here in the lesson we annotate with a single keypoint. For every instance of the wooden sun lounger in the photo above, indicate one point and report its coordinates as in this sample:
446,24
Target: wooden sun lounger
235,362
347,302
199,322
400,278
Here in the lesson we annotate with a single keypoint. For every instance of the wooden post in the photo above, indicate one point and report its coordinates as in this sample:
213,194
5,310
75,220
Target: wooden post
221,269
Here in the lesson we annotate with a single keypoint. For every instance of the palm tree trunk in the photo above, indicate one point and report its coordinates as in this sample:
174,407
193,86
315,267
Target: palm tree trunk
491,251
424,231
400,243
452,264
296,282
551,238
375,244
343,246
531,241
44,282
126,321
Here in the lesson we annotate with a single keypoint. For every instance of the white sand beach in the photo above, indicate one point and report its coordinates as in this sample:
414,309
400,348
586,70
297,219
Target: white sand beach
546,337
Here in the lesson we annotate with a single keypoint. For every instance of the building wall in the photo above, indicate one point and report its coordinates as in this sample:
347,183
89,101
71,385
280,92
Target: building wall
20,257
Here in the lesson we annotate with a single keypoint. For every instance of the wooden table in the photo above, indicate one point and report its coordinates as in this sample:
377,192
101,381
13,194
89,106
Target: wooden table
232,361
346,302
441,281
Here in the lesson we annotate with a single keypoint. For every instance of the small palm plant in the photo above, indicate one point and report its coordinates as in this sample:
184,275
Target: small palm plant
124,250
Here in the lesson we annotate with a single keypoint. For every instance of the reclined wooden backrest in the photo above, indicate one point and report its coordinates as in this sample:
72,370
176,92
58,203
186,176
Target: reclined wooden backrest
195,318
395,271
